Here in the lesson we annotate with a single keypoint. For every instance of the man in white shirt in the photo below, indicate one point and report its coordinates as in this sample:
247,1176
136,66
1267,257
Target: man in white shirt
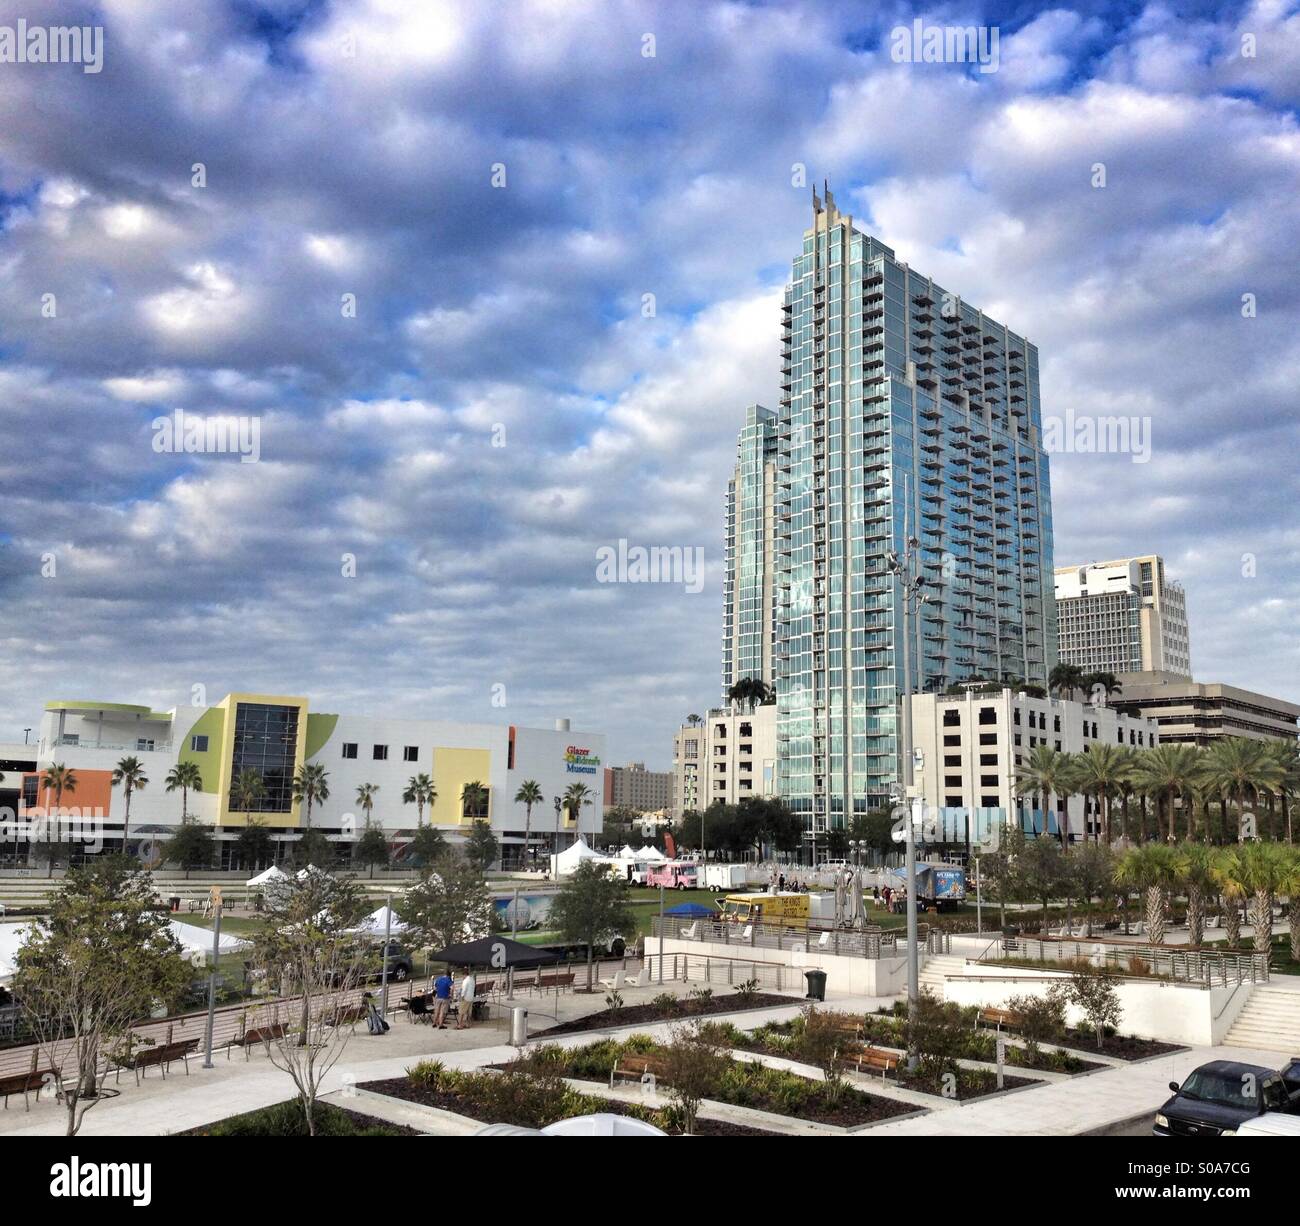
465,996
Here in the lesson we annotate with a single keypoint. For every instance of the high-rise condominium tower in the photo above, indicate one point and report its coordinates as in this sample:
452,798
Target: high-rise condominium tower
749,587
1123,617
904,411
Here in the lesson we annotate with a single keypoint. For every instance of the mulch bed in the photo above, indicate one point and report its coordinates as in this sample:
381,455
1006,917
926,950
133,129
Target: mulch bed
405,1088
635,1015
1119,1047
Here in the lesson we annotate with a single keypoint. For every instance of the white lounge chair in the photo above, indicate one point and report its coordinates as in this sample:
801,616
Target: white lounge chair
690,933
824,940
613,984
644,979
749,932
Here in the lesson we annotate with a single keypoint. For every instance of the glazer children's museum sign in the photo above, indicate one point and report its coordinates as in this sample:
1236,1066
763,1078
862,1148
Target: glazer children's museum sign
579,761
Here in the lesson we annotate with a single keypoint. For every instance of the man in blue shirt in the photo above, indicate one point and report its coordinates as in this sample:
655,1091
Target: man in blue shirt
442,988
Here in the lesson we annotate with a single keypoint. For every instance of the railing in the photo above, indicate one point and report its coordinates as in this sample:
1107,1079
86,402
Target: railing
731,972
870,942
1192,965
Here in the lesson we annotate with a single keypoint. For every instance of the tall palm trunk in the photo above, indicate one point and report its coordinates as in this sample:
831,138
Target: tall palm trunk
1293,922
1232,922
1261,918
1156,914
528,832
1195,914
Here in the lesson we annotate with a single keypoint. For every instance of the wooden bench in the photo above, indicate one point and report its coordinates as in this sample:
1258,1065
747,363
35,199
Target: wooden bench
258,1034
876,1058
24,1083
559,979
157,1057
638,1068
999,1017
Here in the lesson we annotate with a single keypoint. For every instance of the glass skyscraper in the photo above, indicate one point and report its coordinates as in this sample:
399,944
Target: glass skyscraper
749,587
904,411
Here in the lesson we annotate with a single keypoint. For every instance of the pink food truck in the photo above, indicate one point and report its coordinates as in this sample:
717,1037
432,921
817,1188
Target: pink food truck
673,874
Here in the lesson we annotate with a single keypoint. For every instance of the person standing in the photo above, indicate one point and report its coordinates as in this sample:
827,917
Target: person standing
442,989
465,999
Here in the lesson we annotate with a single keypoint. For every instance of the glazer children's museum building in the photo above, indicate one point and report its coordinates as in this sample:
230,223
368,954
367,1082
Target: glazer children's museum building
274,735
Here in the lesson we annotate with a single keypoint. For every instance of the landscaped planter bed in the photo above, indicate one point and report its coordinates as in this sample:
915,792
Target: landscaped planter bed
286,1120
742,1084
682,1009
528,1101
1118,1046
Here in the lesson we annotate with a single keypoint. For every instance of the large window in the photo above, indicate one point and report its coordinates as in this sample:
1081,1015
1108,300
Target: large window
266,741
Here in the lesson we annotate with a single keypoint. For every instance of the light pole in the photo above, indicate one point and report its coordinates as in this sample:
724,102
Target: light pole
906,569
383,974
212,978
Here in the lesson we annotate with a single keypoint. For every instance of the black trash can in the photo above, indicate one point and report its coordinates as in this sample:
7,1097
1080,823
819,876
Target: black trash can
816,985
174,902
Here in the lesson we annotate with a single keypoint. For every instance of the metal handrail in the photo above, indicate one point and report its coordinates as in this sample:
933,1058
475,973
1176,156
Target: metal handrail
1192,965
871,942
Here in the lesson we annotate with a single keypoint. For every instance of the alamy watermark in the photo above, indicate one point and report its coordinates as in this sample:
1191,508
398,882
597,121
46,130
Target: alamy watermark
24,44
1083,435
220,434
923,44
683,564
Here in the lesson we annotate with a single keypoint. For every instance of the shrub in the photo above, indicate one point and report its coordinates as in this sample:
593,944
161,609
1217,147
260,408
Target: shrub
694,1062
1043,1017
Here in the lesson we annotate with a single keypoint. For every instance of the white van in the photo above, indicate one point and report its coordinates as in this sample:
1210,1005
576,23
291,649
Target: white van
1270,1124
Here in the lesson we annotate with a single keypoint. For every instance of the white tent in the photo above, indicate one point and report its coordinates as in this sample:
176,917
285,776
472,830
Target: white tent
627,853
310,870
194,939
11,937
376,923
652,854
566,863
270,876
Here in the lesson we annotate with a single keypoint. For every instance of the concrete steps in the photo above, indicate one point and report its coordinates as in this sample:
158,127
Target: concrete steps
936,969
1270,1019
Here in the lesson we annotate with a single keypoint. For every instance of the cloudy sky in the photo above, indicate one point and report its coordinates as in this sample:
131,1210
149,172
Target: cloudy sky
498,186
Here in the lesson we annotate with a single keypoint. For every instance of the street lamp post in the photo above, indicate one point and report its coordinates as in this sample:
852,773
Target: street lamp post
906,569
212,977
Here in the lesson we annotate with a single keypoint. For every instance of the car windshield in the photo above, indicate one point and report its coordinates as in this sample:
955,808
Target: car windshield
1221,1089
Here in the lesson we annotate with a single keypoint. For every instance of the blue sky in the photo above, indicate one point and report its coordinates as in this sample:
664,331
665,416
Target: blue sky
501,406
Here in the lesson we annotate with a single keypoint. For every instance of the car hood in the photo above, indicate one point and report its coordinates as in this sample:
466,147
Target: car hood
1190,1110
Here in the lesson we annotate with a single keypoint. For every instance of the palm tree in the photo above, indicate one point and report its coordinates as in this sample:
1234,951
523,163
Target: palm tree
750,692
1236,766
310,785
474,801
575,797
1065,679
1107,683
1289,884
1287,756
1194,866
246,791
1258,871
1152,868
530,794
58,779
1101,773
1168,771
366,798
185,776
420,791
1046,772
129,773
694,720
1229,880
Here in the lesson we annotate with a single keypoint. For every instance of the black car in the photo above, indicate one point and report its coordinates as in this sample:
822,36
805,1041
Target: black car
1223,1094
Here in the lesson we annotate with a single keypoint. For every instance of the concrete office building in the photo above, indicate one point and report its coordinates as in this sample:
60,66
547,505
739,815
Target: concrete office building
731,755
904,411
273,735
1202,712
749,583
1126,616
972,743
634,787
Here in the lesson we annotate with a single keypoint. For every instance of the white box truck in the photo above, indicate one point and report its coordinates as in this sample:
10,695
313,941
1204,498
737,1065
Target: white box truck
724,876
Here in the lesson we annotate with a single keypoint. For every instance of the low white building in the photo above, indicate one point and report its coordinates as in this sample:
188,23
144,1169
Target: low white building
274,735
730,755
972,743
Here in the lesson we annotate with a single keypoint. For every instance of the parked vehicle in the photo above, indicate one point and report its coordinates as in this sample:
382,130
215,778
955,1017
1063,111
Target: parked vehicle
787,908
611,945
939,887
1219,1097
673,874
725,876
1271,1124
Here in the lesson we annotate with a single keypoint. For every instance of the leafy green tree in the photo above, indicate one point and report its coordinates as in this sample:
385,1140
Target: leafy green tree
481,846
102,960
184,777
313,848
311,786
588,906
191,847
1090,872
129,775
371,848
306,952
1092,991
254,844
1041,872
427,845
450,903
420,791
695,1061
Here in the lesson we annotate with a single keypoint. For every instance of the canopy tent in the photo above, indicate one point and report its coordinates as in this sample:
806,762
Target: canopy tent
497,952
691,910
11,937
566,863
651,853
270,876
626,852
193,939
376,923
